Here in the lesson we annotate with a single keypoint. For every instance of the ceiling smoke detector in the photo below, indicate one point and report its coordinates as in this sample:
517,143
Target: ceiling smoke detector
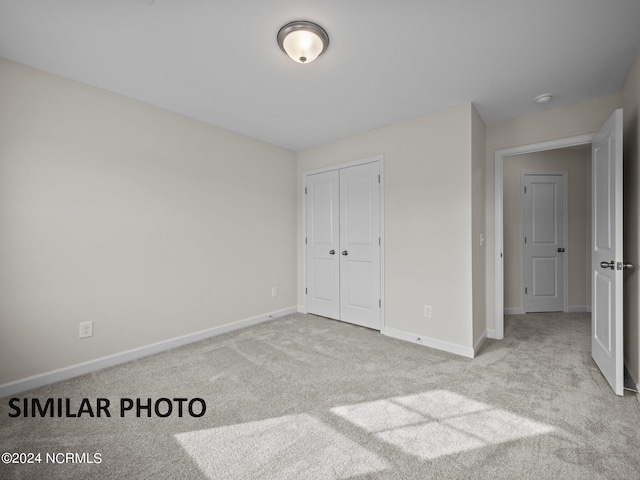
544,98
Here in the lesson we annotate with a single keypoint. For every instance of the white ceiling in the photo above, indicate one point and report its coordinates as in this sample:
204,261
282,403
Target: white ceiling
218,61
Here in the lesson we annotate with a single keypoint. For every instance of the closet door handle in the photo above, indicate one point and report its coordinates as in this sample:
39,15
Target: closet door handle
345,253
332,252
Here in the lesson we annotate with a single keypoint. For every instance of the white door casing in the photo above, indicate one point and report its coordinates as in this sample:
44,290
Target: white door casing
607,261
343,259
544,244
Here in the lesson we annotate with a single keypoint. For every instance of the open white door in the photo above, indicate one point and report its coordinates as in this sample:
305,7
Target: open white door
607,263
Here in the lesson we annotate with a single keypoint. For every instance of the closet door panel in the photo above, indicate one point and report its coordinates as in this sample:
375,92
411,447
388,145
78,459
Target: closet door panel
360,245
323,238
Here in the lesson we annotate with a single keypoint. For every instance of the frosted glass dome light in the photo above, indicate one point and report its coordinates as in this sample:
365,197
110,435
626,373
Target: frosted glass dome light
303,41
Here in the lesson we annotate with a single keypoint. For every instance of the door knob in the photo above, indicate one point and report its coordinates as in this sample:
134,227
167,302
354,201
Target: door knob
345,253
332,252
610,265
561,250
629,265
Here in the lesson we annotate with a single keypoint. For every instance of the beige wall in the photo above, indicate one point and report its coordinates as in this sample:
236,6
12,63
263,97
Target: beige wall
478,145
577,163
631,139
572,120
428,219
147,223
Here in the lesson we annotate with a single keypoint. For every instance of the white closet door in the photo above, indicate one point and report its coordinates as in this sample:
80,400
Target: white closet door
323,244
343,245
360,245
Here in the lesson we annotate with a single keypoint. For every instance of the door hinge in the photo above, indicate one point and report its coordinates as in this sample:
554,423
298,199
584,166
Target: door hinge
525,239
305,240
305,190
378,178
525,291
380,303
525,189
379,241
306,291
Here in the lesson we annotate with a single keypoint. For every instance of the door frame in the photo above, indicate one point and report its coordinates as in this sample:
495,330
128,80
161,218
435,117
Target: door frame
565,221
498,261
379,159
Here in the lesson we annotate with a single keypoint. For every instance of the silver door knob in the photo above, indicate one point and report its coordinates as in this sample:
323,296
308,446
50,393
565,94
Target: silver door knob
610,265
629,265
332,252
345,253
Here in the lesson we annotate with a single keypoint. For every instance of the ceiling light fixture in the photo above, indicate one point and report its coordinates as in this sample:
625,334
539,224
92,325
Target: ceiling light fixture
303,41
544,98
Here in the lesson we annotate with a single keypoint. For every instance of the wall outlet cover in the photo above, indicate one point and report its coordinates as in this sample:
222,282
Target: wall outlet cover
86,329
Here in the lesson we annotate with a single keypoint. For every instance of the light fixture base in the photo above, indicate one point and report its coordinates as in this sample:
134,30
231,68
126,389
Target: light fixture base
303,50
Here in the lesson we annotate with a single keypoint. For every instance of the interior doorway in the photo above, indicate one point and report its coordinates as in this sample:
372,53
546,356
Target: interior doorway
607,264
501,157
572,291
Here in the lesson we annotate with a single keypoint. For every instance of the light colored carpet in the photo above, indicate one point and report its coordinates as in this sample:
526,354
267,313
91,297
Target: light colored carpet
303,397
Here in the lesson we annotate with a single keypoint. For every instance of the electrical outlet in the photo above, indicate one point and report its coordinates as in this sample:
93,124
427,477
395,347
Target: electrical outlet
274,291
86,329
427,311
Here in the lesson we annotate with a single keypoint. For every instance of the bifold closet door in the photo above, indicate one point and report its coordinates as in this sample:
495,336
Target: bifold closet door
343,245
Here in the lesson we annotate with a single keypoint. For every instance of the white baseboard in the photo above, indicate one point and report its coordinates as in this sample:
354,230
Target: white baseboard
429,342
584,309
491,333
40,380
520,310
479,343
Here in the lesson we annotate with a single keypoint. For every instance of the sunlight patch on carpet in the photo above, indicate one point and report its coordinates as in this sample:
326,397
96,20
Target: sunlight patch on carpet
295,446
433,424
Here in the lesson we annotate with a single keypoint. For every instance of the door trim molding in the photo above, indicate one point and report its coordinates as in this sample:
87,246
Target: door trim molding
498,261
565,221
374,159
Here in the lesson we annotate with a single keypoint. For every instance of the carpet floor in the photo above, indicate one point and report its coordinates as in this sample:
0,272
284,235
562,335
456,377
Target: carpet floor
302,397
